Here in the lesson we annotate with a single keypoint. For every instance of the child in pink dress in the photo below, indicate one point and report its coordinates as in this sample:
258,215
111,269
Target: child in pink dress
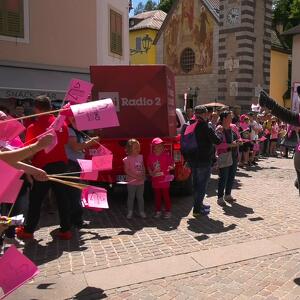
159,165
135,171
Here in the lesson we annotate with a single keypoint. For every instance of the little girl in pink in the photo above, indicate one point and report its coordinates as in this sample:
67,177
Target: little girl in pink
135,171
159,165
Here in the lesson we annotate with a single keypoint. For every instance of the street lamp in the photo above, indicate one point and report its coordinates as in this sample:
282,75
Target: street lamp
146,44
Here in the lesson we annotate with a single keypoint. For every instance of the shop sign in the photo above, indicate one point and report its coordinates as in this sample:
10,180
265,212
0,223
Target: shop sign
30,94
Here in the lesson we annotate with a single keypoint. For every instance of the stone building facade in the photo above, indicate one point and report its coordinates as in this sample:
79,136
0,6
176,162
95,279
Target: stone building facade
240,41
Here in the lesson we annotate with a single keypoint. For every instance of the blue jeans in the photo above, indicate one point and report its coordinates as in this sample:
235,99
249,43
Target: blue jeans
226,179
201,176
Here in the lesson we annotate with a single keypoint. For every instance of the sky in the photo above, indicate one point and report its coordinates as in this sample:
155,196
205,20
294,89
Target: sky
136,2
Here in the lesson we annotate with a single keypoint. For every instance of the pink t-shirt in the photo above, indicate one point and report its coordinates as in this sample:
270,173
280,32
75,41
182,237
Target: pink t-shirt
160,164
134,164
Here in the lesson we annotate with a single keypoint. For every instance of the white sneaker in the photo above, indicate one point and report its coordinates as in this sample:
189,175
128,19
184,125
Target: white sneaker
157,215
221,202
129,215
229,198
14,241
143,215
167,215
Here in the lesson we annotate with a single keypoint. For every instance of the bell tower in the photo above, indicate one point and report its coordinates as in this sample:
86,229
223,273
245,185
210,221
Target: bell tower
244,50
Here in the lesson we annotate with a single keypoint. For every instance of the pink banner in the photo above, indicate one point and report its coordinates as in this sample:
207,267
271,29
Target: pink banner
12,192
8,178
16,270
10,130
102,163
94,197
79,91
95,115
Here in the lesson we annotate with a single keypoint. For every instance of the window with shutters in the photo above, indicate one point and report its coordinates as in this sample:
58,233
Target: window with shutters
12,18
138,44
116,33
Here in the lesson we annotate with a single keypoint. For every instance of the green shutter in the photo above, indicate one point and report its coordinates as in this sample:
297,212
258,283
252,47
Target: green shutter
11,23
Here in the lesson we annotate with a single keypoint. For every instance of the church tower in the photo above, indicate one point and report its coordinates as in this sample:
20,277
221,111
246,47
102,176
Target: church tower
244,50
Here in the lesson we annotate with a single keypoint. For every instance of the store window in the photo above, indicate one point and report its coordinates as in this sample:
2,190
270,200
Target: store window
14,20
116,33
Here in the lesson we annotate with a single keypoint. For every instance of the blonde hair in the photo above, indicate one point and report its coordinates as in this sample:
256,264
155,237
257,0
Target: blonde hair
130,145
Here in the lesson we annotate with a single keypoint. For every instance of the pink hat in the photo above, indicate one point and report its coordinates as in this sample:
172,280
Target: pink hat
157,141
3,116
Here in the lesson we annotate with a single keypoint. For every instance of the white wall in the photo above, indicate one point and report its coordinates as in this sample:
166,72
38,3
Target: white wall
104,56
296,59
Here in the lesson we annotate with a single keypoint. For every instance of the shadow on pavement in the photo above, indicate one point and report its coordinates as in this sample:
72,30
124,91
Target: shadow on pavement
90,293
238,211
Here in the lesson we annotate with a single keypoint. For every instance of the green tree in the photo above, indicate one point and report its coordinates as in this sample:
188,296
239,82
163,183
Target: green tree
150,5
165,5
295,10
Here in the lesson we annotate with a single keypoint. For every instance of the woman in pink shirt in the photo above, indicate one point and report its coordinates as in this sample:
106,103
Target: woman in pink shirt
274,136
135,171
159,165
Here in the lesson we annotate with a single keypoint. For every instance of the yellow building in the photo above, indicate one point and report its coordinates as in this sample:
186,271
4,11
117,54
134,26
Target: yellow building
143,29
279,71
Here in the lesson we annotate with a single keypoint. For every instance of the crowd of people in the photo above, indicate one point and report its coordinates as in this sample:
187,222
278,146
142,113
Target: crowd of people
226,140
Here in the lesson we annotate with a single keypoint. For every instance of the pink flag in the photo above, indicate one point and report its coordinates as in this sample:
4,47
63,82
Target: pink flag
102,162
58,123
190,128
99,151
8,178
79,91
167,178
12,192
54,140
86,165
10,130
92,176
94,197
16,270
262,139
95,115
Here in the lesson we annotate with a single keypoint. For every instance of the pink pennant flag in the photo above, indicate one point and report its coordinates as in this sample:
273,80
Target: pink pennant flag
99,151
58,123
95,115
102,163
16,270
190,128
79,91
9,177
12,192
54,140
10,130
86,165
95,198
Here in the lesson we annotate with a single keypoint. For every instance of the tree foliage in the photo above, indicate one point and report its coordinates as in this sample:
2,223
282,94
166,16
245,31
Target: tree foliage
165,5
148,6
286,13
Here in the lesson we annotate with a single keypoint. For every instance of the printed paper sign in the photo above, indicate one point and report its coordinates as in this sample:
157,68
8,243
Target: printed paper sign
54,140
102,163
10,130
58,123
79,91
12,192
94,197
95,115
16,270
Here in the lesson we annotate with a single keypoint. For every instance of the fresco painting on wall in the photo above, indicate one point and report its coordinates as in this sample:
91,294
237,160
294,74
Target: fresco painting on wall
190,27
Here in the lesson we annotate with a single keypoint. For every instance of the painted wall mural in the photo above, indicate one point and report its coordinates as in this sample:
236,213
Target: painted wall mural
188,39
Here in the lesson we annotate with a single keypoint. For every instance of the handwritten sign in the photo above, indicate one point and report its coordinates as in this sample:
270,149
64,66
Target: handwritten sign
79,91
10,130
8,178
102,162
95,115
94,198
16,270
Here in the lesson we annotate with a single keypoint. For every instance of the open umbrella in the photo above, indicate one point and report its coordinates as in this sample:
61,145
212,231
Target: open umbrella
215,104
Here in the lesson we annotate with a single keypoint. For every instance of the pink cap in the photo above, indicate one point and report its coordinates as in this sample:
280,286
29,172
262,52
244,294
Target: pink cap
157,141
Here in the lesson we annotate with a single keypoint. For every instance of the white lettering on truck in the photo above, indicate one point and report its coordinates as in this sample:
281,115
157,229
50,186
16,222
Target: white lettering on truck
142,101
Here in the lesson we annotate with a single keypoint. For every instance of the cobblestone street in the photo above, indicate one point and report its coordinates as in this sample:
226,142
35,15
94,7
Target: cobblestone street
268,206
